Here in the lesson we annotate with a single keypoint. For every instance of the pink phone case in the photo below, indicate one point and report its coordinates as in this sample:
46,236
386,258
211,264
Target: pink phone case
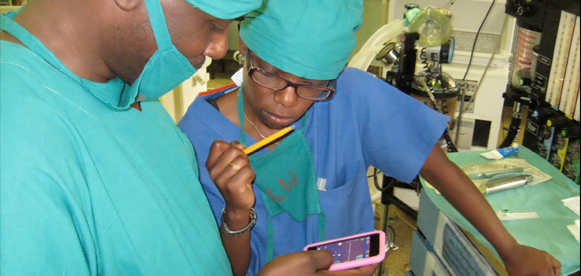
356,263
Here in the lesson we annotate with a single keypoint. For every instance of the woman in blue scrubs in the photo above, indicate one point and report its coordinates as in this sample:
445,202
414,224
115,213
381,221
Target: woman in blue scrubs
312,185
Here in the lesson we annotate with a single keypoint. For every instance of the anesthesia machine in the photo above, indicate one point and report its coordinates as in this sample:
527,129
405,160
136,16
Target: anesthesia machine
545,77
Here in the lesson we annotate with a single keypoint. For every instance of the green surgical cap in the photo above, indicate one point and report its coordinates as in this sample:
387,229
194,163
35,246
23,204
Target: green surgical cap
307,38
226,9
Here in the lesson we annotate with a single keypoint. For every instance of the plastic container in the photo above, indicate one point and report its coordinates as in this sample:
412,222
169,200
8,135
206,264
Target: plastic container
433,25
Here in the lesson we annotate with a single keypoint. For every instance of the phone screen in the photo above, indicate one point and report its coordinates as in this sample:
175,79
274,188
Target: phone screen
352,249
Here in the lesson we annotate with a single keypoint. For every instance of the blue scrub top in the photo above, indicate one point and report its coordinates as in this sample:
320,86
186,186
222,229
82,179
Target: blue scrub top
367,122
89,189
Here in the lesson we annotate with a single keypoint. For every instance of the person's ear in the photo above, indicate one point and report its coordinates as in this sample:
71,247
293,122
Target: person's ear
128,5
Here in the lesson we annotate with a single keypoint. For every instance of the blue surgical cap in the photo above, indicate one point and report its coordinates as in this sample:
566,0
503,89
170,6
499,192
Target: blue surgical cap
307,38
226,9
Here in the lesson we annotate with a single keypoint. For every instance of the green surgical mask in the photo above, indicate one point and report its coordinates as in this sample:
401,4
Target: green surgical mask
167,68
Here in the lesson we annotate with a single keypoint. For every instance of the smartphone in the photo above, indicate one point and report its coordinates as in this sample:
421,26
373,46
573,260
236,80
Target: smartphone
354,251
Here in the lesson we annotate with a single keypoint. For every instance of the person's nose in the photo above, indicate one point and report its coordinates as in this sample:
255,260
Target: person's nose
287,97
218,47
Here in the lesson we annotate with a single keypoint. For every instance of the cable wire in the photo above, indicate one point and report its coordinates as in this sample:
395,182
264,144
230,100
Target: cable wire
446,135
513,131
471,101
476,39
450,3
376,182
563,185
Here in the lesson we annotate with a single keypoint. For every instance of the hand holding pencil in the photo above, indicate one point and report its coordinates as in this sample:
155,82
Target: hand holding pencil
229,168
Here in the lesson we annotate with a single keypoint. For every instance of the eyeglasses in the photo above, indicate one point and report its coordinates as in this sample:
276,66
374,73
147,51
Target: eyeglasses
274,82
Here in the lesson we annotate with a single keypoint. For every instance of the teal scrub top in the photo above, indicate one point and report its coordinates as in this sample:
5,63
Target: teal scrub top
87,188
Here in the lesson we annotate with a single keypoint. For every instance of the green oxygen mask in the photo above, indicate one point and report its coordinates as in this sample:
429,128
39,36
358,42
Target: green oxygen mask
433,25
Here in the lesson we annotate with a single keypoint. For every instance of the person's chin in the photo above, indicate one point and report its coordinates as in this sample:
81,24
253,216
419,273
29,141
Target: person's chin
277,122
199,65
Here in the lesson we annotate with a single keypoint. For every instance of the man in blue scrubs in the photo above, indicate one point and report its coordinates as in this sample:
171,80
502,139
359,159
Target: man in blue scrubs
312,185
95,176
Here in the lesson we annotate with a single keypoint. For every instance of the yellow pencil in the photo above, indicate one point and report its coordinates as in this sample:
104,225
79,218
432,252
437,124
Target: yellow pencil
268,140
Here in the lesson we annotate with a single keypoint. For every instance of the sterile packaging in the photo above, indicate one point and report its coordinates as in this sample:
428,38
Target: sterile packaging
500,153
508,215
497,170
572,203
574,228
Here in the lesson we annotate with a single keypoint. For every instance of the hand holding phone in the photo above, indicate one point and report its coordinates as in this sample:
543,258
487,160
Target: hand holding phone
354,251
309,263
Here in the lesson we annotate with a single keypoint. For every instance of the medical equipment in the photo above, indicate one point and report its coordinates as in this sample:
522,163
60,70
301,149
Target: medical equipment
480,63
508,215
501,180
430,29
486,175
506,184
545,78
